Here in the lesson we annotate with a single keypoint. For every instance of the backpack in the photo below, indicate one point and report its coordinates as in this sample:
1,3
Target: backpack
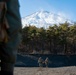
3,23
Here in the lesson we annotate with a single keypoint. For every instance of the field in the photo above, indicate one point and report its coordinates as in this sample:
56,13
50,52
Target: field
45,71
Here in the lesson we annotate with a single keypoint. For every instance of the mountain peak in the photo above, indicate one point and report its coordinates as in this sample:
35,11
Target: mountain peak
43,19
43,11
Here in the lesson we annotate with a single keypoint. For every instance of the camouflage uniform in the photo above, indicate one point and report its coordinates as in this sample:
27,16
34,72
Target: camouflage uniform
46,62
40,61
8,51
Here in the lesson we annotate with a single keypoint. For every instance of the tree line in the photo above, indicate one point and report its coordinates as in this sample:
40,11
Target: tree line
56,39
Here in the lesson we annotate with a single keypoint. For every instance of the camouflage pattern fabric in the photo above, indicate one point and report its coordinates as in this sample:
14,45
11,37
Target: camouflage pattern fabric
40,61
3,23
8,51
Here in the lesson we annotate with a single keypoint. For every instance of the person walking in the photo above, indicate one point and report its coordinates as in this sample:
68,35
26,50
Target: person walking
9,44
47,62
40,61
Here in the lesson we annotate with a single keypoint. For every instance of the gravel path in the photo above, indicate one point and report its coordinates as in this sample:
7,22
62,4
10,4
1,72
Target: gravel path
45,71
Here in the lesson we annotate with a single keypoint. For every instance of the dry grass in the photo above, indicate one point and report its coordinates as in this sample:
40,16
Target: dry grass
45,71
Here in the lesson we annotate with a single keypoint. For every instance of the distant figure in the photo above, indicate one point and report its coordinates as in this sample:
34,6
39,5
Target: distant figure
40,61
47,62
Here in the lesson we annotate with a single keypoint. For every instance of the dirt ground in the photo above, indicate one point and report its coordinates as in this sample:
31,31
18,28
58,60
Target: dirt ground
45,71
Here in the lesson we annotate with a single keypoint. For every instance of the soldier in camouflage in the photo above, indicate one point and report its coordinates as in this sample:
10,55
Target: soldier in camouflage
46,62
40,61
8,50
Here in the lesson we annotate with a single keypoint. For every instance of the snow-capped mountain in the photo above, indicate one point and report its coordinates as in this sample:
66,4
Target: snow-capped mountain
43,19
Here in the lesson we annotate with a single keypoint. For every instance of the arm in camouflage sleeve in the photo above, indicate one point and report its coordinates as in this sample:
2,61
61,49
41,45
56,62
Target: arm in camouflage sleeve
3,22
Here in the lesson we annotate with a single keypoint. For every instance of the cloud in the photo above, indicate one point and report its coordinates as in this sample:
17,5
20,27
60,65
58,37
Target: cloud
64,15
